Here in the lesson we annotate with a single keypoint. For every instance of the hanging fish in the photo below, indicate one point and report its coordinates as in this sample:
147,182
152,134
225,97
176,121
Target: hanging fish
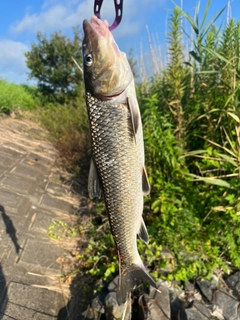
117,168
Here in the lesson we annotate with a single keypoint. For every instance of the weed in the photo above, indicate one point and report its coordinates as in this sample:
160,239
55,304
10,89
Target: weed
61,229
15,97
69,132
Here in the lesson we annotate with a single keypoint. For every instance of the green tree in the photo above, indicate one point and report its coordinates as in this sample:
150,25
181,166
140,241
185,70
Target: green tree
51,64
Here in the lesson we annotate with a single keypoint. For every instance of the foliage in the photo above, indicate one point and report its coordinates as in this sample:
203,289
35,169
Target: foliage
59,229
195,179
175,74
68,128
100,259
51,64
191,122
15,96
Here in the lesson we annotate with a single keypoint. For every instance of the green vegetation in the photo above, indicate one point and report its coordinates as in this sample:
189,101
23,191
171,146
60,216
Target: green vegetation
59,229
69,131
51,64
60,84
13,97
191,121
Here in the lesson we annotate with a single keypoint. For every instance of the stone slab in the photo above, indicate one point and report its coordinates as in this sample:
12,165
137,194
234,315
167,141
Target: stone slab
26,172
2,285
2,169
7,251
159,303
227,303
15,147
194,315
10,223
201,308
41,221
28,256
11,250
11,153
56,204
50,153
56,189
234,282
41,158
5,161
11,201
42,255
27,302
16,183
35,165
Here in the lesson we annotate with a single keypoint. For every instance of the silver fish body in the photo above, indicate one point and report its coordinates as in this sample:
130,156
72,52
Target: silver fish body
117,169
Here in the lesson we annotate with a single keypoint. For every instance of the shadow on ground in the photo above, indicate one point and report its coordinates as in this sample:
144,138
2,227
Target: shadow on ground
11,232
81,294
3,294
10,229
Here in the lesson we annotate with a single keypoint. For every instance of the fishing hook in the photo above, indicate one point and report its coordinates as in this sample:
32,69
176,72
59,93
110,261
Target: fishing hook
118,10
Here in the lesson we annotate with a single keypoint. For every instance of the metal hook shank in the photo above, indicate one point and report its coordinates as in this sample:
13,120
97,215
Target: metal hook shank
97,8
118,11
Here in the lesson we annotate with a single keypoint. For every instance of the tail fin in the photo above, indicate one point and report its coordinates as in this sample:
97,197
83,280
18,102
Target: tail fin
131,277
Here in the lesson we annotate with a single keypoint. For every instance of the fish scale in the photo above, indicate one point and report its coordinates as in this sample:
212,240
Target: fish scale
114,155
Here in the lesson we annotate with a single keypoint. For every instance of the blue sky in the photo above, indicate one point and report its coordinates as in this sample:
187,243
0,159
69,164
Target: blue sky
21,19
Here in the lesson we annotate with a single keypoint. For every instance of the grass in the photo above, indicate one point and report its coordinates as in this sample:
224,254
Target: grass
15,96
68,128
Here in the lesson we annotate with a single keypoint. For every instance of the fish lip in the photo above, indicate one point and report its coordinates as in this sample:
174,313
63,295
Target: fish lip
85,23
101,28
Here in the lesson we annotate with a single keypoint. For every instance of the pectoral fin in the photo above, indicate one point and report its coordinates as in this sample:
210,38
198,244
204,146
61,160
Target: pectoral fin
143,234
134,114
94,186
145,182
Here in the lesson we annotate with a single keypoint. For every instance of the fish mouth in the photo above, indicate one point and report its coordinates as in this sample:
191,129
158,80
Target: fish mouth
108,76
98,26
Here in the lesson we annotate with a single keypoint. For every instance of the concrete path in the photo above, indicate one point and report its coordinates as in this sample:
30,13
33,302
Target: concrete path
32,198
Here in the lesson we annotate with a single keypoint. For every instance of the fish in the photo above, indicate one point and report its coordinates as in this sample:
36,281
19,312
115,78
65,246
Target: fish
117,170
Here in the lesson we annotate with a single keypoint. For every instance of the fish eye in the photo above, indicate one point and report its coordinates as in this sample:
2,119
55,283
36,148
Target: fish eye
88,60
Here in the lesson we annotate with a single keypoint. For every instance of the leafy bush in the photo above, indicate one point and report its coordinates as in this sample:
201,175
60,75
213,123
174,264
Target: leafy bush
191,122
15,96
195,176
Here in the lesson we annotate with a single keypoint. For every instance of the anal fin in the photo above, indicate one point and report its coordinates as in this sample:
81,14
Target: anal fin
145,183
143,234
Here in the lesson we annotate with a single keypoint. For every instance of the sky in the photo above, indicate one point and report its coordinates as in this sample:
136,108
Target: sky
22,19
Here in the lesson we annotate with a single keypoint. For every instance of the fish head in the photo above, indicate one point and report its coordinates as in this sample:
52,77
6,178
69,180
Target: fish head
107,72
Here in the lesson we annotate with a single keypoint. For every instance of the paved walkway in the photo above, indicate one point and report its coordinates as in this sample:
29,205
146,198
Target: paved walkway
32,197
